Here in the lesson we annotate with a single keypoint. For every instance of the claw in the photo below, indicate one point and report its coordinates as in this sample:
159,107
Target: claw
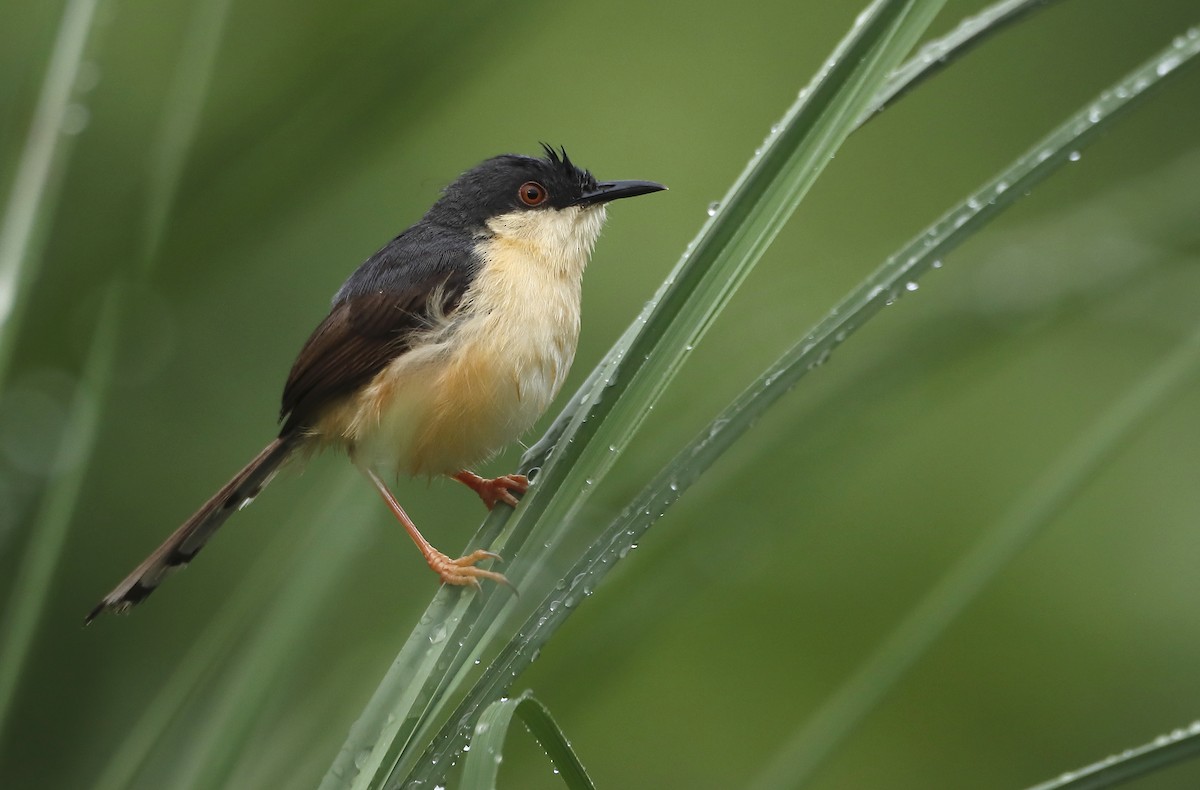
462,572
497,489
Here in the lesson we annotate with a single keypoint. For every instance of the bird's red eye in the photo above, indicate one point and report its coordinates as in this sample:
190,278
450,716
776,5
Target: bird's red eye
532,193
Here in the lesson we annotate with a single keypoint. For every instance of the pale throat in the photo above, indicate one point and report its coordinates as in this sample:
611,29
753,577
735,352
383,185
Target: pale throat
557,241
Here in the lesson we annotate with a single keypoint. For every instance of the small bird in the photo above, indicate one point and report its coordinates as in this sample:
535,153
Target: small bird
439,350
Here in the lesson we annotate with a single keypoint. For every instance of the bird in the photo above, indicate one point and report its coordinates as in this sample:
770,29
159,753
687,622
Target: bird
439,350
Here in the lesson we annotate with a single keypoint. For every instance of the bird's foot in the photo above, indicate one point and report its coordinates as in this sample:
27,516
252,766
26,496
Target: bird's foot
462,571
496,489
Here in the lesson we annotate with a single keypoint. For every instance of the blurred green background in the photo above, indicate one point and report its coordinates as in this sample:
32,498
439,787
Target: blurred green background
324,128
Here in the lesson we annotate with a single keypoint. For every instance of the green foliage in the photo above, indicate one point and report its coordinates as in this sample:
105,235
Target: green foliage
248,177
482,765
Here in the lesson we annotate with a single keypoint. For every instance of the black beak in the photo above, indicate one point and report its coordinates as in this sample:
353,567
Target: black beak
615,190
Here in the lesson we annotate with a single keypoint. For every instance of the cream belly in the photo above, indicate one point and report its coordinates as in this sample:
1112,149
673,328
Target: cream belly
477,382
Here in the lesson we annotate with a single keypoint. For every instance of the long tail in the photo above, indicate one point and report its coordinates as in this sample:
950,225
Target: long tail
178,550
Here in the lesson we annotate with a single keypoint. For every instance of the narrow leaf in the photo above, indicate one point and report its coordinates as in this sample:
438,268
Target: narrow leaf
881,288
482,764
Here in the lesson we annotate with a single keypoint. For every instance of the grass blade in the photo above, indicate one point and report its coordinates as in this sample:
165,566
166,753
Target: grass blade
1164,751
47,535
31,200
866,300
941,52
723,254
932,58
43,548
276,642
1048,496
220,637
482,765
181,120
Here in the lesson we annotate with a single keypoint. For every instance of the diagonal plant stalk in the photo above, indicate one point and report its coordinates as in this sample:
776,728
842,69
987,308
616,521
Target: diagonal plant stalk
941,52
807,749
1165,750
34,194
932,58
215,745
881,288
31,204
43,546
48,532
274,569
457,626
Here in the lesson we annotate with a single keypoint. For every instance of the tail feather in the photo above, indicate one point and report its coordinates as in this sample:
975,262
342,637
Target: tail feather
184,543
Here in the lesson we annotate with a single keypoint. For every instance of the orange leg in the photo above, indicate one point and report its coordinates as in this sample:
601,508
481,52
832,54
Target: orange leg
461,571
497,489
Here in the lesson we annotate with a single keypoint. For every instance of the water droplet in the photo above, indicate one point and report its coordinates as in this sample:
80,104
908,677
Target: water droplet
75,119
714,206
936,264
438,634
1074,156
1167,65
88,76
911,286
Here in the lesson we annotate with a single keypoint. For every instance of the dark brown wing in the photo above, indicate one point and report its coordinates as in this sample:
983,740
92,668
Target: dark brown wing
359,337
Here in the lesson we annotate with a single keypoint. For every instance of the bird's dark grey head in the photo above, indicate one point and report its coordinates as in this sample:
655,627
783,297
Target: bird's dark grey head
512,182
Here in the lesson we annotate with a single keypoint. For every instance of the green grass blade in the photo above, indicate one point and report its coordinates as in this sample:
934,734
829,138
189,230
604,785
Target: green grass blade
932,58
181,121
941,52
1164,751
482,765
276,642
35,574
47,534
729,245
1044,500
220,637
34,190
866,300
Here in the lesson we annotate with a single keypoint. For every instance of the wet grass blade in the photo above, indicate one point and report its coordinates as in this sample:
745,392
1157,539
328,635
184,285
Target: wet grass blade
941,52
458,627
882,287
1164,751
1044,500
932,58
482,765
